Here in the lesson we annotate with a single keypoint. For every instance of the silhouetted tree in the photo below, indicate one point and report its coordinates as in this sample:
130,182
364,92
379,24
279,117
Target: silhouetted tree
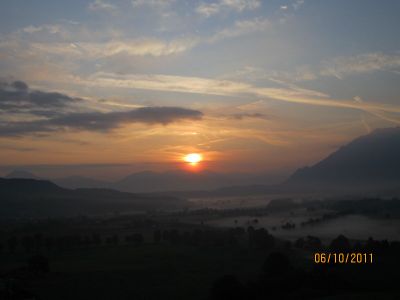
310,243
276,264
157,236
299,243
138,238
96,239
49,242
12,244
87,240
227,287
115,239
165,235
27,243
357,246
340,244
187,238
174,236
197,236
38,264
38,241
250,233
261,238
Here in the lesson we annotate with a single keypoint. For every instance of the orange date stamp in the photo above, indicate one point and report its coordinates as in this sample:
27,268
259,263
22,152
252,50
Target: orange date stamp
343,258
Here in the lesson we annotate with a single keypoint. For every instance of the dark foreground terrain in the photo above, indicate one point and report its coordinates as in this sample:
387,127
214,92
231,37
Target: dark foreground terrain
164,257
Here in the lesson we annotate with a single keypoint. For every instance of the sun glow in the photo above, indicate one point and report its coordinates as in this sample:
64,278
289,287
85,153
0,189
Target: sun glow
193,158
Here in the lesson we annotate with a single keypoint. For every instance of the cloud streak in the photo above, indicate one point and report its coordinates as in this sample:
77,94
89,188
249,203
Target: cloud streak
241,28
137,47
24,111
242,116
152,3
100,5
341,67
18,97
99,121
291,94
363,63
210,9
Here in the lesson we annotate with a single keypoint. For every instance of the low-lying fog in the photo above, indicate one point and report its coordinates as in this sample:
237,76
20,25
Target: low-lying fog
353,226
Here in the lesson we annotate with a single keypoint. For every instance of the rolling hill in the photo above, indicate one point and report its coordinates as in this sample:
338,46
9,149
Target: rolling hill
41,198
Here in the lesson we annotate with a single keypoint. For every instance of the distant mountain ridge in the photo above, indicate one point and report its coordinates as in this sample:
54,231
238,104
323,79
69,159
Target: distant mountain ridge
151,182
367,162
370,159
368,165
21,174
42,198
76,182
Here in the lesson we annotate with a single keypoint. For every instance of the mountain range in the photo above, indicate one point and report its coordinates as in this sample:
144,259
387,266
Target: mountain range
150,182
42,198
368,162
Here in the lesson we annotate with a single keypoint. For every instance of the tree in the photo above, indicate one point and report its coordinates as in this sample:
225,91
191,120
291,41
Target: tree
138,239
115,239
49,242
157,236
12,243
277,264
27,243
227,287
340,244
38,264
96,239
38,241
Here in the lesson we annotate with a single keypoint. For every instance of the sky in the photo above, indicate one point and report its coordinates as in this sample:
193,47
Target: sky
104,88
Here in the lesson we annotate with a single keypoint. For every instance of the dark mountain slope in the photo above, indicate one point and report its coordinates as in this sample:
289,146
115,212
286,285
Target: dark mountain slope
40,198
21,174
370,159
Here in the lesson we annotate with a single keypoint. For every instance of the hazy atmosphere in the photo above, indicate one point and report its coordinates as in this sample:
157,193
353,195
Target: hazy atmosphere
199,150
253,86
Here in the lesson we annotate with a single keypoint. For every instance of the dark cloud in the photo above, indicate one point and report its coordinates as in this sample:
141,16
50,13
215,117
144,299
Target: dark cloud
97,121
105,121
57,113
241,116
20,85
17,97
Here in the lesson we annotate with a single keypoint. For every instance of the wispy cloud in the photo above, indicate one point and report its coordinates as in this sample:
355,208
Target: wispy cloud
297,4
242,27
363,63
291,94
152,3
209,9
100,5
242,116
67,46
138,47
341,67
161,82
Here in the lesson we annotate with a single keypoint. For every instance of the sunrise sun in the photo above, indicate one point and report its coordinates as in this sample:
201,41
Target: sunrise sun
193,158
